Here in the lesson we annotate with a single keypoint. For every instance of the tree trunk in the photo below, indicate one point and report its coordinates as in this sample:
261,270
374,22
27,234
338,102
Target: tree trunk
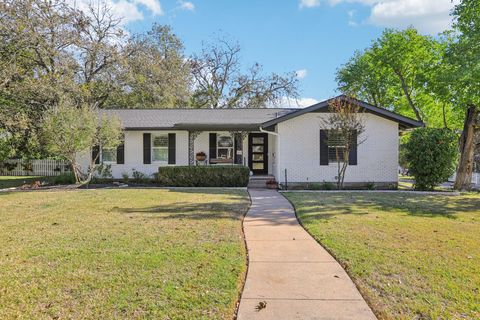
75,169
465,166
407,95
445,125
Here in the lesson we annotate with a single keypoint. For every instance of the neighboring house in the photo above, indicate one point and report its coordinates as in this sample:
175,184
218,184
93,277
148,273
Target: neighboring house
279,142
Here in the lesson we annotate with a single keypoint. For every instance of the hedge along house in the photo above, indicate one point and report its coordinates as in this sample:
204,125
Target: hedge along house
286,143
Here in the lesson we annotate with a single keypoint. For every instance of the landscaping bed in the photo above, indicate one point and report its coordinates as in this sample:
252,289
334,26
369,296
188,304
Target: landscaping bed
17,181
413,256
121,254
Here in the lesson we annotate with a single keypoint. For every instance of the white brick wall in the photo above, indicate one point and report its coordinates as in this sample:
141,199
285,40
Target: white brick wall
299,151
134,154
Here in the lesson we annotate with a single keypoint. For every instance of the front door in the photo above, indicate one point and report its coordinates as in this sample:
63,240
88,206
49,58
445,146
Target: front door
258,153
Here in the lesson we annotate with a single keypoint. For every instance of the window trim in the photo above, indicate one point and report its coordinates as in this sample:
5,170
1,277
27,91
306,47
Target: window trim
152,148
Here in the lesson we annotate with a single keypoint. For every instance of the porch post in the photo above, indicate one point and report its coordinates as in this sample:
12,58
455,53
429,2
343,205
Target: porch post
192,135
238,137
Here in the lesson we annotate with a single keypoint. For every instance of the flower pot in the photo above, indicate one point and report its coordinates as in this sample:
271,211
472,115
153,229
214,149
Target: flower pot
272,186
201,158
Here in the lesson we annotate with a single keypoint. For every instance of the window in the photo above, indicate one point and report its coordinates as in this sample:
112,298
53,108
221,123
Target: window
336,145
109,155
160,148
224,147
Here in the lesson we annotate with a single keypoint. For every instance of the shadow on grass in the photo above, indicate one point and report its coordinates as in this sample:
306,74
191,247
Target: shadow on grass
326,206
188,210
17,181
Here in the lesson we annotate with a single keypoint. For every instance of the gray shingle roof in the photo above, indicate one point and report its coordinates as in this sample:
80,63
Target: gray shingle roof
138,119
233,119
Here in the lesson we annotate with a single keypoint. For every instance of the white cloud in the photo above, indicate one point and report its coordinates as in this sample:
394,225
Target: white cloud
302,73
428,16
309,3
128,10
187,5
153,5
351,18
295,103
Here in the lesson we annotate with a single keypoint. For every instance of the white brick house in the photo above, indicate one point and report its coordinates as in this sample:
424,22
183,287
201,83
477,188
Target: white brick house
279,142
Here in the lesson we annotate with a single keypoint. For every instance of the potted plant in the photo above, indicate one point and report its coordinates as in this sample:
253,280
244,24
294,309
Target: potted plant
272,184
201,156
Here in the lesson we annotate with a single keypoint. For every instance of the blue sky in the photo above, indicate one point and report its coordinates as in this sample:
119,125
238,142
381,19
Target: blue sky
313,37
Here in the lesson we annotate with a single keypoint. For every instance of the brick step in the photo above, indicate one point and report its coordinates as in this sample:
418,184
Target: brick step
259,182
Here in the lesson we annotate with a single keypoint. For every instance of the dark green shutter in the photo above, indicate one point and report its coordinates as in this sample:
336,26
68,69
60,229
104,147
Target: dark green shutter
212,146
323,148
147,150
171,148
96,154
352,158
121,154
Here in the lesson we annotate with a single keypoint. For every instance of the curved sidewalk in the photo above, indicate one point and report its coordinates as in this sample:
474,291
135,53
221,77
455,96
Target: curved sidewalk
290,271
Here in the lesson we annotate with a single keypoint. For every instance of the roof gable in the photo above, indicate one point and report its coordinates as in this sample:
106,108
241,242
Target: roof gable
404,122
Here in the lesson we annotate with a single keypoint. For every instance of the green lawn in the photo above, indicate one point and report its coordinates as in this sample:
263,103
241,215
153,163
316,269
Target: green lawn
121,254
16,181
412,256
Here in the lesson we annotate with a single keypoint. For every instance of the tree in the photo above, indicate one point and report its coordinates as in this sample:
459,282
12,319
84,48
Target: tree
155,73
400,71
70,131
431,155
6,150
52,50
346,127
363,77
463,55
220,83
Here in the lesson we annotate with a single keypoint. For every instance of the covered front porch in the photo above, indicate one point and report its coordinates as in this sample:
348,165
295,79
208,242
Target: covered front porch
254,149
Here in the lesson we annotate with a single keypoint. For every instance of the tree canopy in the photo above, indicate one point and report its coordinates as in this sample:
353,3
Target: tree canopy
50,50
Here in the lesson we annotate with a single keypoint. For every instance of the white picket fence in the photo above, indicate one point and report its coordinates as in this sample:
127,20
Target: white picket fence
43,167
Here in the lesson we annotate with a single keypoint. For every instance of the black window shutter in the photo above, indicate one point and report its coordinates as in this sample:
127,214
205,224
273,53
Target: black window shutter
238,147
171,148
96,154
121,154
147,150
352,158
212,146
323,148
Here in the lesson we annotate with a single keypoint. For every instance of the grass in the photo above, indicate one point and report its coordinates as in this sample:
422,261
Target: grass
16,181
121,254
412,256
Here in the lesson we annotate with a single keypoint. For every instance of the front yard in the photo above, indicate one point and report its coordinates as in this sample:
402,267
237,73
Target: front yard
104,254
412,256
16,181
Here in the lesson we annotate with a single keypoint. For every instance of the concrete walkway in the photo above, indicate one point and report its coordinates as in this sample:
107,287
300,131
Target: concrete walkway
290,271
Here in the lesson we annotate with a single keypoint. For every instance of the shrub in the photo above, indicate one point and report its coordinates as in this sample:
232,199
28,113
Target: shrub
204,176
139,177
327,185
104,171
64,178
431,154
125,177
